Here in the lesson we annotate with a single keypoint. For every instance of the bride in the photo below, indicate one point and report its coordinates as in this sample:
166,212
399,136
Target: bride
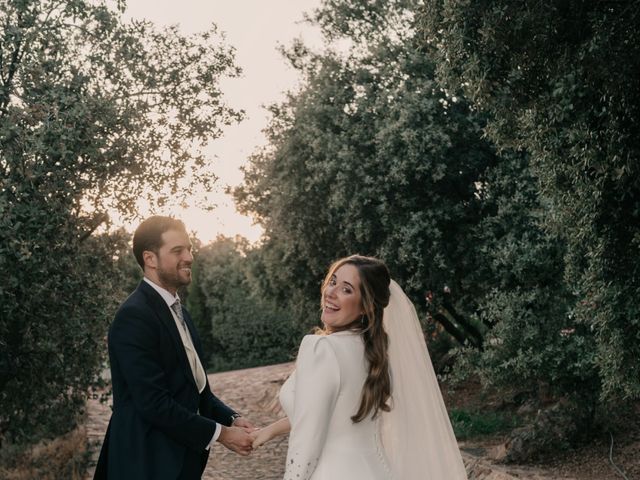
364,402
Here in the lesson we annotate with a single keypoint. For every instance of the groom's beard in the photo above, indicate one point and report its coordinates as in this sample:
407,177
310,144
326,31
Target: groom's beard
175,278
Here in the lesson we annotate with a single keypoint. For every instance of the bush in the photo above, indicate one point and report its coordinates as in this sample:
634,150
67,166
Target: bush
240,328
58,297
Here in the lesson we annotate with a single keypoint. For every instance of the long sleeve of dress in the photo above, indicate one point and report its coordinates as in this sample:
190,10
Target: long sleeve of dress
317,385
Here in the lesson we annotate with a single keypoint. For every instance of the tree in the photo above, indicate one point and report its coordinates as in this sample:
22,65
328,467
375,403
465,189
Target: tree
533,344
243,328
372,156
95,113
560,81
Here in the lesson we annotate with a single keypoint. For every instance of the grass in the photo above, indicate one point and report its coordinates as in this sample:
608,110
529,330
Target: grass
474,423
62,458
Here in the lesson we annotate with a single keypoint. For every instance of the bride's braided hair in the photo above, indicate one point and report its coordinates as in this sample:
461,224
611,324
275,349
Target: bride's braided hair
374,290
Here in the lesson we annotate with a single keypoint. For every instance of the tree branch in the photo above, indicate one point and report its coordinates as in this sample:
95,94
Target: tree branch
450,328
466,325
16,57
97,221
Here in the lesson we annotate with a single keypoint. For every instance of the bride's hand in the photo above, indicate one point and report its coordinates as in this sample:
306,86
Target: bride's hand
260,437
263,435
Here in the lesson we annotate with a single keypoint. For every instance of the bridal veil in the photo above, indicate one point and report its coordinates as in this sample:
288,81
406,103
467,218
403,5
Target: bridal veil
416,434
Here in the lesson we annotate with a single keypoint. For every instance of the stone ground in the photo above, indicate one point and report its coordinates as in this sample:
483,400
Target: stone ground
253,392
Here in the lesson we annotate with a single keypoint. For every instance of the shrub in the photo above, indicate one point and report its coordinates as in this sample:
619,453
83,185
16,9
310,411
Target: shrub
241,328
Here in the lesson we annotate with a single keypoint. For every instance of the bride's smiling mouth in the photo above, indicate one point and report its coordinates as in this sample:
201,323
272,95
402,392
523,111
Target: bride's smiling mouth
330,307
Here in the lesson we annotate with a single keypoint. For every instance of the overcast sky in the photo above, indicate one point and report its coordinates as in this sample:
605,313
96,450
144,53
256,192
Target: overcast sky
255,28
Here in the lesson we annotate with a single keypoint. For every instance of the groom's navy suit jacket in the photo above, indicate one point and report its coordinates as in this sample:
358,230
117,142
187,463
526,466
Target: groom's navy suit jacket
155,431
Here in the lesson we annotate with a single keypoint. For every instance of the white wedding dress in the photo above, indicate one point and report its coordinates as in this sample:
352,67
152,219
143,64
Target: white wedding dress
319,398
414,441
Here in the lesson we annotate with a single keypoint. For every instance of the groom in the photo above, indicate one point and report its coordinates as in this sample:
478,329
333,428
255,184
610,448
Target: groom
165,417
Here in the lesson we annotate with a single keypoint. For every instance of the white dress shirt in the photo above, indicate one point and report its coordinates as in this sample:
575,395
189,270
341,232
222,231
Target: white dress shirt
187,342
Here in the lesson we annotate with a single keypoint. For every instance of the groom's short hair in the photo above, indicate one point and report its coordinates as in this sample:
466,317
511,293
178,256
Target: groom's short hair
148,235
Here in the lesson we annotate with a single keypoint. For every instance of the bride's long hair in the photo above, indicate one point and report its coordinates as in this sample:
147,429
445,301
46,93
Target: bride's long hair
374,291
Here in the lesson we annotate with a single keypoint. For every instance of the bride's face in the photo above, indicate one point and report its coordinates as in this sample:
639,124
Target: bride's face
341,298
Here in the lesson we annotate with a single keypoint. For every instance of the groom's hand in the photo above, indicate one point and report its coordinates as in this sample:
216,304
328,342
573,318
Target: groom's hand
244,423
236,439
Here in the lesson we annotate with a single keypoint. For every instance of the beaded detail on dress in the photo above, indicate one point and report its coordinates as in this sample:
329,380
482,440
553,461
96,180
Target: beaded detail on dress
320,399
296,469
380,449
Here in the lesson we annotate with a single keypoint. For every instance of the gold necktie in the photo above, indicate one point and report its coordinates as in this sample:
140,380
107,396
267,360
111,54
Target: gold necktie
194,362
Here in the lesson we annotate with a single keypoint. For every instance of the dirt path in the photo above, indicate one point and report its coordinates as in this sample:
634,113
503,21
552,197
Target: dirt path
253,392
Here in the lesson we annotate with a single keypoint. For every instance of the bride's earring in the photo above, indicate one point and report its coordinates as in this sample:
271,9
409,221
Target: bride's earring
362,320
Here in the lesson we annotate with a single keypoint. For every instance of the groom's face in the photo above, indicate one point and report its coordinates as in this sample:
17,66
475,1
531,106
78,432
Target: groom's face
174,259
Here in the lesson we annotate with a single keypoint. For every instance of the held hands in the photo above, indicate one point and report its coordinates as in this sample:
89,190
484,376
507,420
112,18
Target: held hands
260,437
236,439
243,437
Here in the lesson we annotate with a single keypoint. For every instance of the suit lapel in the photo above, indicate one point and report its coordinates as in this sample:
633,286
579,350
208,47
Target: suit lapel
160,307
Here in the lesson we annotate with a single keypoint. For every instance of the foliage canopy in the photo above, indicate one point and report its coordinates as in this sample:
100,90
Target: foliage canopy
560,80
95,113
